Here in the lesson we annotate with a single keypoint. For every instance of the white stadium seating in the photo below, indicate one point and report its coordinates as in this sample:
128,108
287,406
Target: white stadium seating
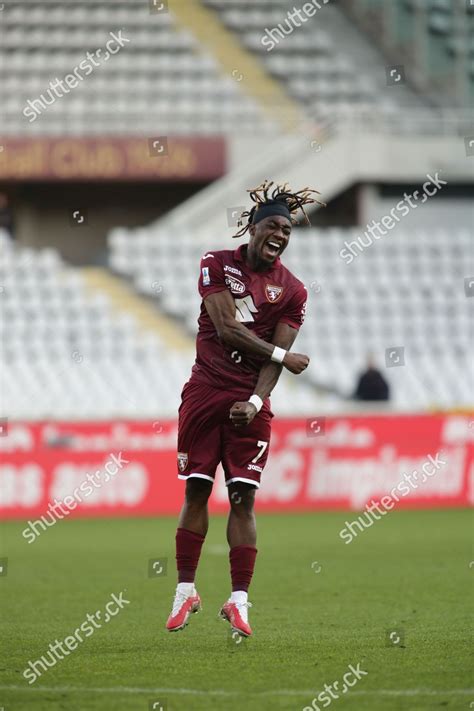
406,289
68,354
162,80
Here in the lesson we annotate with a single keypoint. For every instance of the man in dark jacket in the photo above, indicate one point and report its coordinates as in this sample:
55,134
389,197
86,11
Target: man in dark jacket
372,385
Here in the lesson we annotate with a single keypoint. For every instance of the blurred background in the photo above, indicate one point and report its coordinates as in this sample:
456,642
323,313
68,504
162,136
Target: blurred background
130,132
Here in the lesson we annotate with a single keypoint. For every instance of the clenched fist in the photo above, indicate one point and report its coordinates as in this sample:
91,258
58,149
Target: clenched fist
242,413
295,362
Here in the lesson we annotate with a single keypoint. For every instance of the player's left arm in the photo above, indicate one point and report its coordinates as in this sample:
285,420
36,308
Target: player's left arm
286,330
242,413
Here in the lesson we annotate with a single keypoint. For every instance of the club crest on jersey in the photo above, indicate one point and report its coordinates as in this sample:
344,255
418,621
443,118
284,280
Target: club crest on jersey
273,293
236,286
182,461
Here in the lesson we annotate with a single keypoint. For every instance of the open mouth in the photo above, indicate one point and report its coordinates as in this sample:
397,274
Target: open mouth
271,248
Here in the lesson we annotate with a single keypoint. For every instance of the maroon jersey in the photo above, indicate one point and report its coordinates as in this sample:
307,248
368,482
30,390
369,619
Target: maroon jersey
262,299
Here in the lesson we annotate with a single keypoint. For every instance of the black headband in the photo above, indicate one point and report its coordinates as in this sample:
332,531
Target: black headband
270,208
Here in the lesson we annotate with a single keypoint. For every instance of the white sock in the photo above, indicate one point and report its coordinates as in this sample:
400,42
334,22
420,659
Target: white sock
186,588
239,596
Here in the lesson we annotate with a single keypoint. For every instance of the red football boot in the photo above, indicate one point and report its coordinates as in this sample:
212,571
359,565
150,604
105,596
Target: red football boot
237,614
183,606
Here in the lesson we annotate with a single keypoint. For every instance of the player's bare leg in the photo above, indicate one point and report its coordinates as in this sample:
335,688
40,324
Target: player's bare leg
242,538
241,524
194,515
192,528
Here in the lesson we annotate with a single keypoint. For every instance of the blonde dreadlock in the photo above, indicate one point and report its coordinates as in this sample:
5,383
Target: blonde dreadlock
281,193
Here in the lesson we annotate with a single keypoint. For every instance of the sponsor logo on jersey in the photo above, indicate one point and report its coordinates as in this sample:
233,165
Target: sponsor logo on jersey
206,279
207,256
232,270
236,286
182,461
273,293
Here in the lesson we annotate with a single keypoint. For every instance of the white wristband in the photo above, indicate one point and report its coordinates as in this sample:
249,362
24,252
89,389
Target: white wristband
257,401
278,354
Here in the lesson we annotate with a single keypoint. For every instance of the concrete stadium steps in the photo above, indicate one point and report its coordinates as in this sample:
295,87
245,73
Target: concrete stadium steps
236,61
147,315
325,63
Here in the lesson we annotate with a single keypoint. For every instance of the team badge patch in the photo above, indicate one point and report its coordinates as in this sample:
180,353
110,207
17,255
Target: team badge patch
273,293
182,461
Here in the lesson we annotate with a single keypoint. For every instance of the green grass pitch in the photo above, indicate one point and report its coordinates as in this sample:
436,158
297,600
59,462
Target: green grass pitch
397,601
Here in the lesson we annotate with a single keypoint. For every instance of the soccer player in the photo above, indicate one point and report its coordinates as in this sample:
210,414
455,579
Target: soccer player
252,308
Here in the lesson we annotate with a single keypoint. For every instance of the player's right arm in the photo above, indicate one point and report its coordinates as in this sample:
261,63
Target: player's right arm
221,308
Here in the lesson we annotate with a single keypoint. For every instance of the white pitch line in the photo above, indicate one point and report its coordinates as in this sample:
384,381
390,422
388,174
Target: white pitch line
223,692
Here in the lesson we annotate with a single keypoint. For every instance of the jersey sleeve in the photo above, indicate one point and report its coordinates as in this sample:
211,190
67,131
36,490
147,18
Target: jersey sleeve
295,310
211,276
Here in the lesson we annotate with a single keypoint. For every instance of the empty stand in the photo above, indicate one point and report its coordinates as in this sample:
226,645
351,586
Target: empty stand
68,354
405,290
162,81
324,66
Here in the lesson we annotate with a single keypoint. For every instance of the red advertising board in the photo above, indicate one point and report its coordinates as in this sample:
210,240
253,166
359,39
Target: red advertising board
156,158
129,468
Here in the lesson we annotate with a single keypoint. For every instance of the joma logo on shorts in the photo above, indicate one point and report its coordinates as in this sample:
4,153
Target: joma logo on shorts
236,286
255,468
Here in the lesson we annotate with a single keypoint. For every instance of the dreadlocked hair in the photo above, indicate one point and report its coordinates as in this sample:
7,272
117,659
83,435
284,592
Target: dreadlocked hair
282,193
